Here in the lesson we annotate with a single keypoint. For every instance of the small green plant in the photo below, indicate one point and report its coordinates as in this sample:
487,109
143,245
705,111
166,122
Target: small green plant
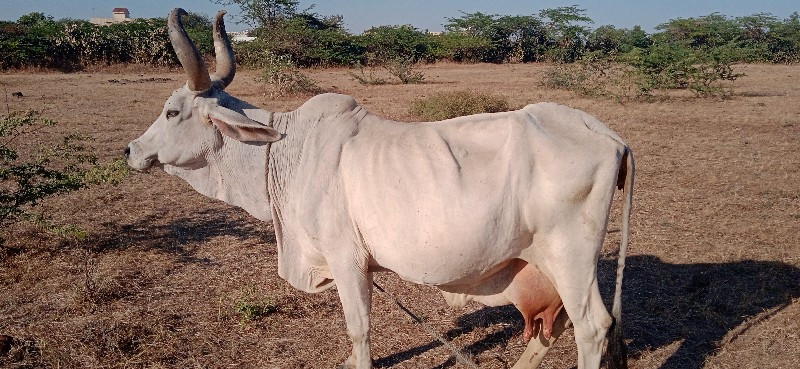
28,176
451,104
284,76
250,307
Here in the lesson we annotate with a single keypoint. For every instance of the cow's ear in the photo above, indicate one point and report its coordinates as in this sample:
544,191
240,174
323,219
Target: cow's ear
240,127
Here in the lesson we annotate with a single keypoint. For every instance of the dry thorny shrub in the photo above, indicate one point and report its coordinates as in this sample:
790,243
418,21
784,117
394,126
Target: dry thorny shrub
285,78
596,78
404,69
451,104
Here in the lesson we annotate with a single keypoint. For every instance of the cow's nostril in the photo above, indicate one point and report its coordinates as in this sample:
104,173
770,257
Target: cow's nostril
127,152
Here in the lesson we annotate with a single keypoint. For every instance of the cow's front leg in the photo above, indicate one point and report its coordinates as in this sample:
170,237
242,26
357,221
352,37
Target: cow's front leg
354,285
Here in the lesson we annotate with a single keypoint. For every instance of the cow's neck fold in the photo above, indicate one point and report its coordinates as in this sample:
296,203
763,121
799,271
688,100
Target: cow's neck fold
284,155
295,264
234,174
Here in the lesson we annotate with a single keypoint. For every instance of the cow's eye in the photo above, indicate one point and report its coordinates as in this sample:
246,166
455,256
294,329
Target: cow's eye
172,113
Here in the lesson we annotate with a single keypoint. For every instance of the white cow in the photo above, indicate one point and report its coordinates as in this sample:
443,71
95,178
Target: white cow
501,208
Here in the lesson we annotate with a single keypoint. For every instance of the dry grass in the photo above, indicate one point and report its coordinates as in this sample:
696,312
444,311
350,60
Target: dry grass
713,278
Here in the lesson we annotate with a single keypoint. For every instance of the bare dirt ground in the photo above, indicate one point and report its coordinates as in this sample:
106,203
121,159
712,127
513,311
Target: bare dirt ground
712,279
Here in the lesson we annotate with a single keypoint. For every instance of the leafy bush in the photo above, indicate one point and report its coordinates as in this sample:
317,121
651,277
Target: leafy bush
445,105
251,54
388,44
27,178
674,65
36,40
284,76
29,42
141,41
670,65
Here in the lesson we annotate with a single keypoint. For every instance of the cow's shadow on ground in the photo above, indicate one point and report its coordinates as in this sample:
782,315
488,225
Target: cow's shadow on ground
179,236
694,304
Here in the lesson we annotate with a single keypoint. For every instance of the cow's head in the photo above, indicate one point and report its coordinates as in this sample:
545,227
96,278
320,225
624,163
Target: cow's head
194,118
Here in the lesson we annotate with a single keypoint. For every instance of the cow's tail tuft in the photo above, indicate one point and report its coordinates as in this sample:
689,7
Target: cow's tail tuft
617,352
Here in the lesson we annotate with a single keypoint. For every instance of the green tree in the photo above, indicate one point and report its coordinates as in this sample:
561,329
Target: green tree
306,37
198,27
525,37
567,35
607,39
311,40
712,30
475,29
635,38
509,38
755,28
264,13
34,19
611,40
784,40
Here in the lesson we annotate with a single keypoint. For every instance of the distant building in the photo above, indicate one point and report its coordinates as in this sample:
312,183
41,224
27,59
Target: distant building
241,36
118,15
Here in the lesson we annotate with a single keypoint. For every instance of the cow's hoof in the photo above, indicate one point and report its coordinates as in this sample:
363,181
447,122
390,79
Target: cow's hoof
348,365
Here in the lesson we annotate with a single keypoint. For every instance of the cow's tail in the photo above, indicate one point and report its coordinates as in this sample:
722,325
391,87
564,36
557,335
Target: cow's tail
617,353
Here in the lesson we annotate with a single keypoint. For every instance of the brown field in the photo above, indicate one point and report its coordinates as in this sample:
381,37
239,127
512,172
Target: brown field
712,279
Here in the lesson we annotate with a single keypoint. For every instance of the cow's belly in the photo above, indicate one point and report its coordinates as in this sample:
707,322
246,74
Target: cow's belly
441,250
438,228
444,266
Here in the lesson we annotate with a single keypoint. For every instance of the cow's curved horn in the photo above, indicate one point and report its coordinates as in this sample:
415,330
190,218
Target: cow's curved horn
192,62
226,62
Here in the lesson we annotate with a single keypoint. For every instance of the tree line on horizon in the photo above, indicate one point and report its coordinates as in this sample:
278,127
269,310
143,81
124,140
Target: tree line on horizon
308,39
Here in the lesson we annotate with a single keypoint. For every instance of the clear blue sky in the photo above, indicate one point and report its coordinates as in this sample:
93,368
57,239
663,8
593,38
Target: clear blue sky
429,14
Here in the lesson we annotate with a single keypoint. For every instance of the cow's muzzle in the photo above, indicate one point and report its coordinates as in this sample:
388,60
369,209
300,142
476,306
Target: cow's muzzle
136,159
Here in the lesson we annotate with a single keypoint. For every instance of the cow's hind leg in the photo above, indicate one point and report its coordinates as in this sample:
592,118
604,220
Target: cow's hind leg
539,345
573,264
